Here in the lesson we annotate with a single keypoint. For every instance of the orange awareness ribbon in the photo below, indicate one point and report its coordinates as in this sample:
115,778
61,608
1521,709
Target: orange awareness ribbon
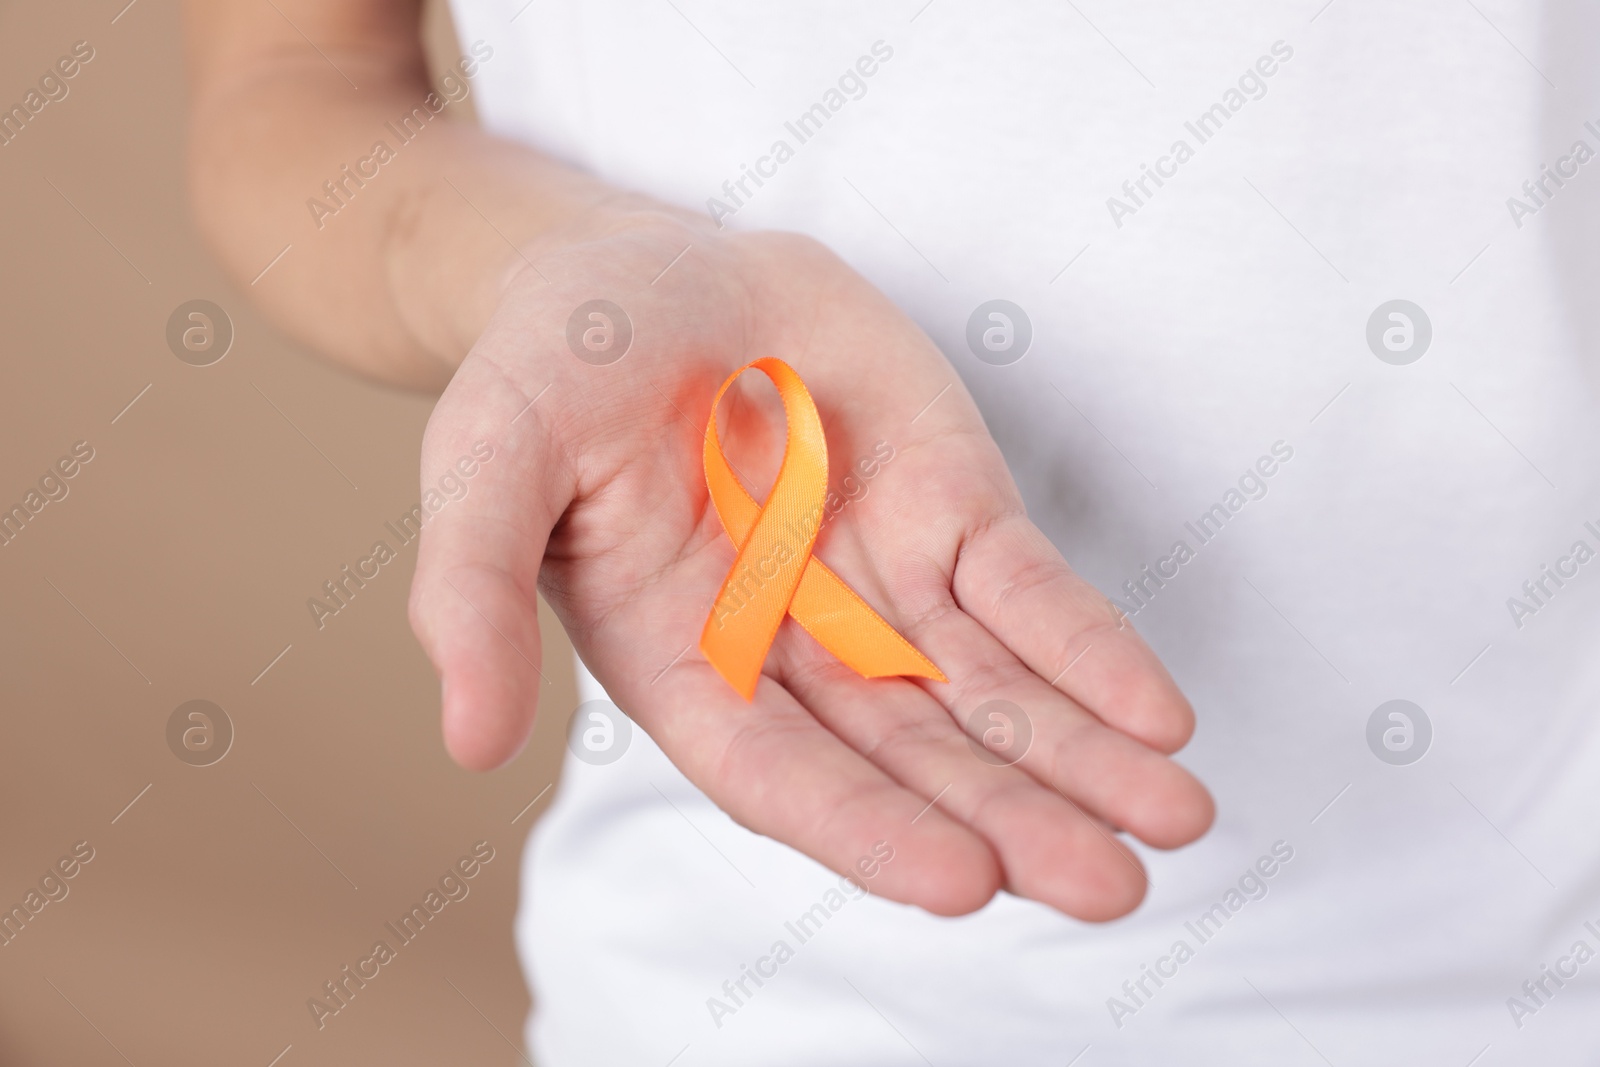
774,573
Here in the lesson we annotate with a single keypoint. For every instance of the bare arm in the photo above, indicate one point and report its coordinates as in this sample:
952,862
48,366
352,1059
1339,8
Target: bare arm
399,283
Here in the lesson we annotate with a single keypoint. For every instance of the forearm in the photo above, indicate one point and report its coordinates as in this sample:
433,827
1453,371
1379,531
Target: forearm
397,271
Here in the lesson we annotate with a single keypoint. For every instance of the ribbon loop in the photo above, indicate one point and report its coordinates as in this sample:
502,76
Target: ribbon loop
774,573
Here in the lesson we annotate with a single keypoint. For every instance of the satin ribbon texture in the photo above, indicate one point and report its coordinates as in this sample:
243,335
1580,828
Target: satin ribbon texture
775,573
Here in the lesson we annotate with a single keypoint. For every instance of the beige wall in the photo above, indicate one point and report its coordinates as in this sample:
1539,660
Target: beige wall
176,568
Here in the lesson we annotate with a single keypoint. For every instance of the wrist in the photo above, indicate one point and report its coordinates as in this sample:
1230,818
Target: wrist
617,216
453,250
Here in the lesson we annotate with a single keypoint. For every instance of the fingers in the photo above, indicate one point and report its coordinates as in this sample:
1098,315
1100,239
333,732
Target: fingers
950,494
777,771
482,633
1049,849
490,498
1112,775
1015,584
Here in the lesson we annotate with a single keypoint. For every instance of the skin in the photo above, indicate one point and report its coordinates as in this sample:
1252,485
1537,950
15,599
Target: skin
458,267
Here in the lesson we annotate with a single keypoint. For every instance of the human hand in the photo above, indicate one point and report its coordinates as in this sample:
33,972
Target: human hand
596,497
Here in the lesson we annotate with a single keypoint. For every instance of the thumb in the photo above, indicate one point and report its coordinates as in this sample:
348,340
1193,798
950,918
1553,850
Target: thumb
492,491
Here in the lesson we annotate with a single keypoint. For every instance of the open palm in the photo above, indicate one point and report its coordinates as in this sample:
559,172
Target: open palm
596,497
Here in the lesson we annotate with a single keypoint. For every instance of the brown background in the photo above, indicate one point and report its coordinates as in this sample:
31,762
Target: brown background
181,561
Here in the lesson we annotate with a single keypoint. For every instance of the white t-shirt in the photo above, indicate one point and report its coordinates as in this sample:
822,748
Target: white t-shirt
1214,358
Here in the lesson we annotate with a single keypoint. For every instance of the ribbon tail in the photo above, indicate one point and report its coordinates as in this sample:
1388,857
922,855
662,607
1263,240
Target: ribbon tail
858,636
